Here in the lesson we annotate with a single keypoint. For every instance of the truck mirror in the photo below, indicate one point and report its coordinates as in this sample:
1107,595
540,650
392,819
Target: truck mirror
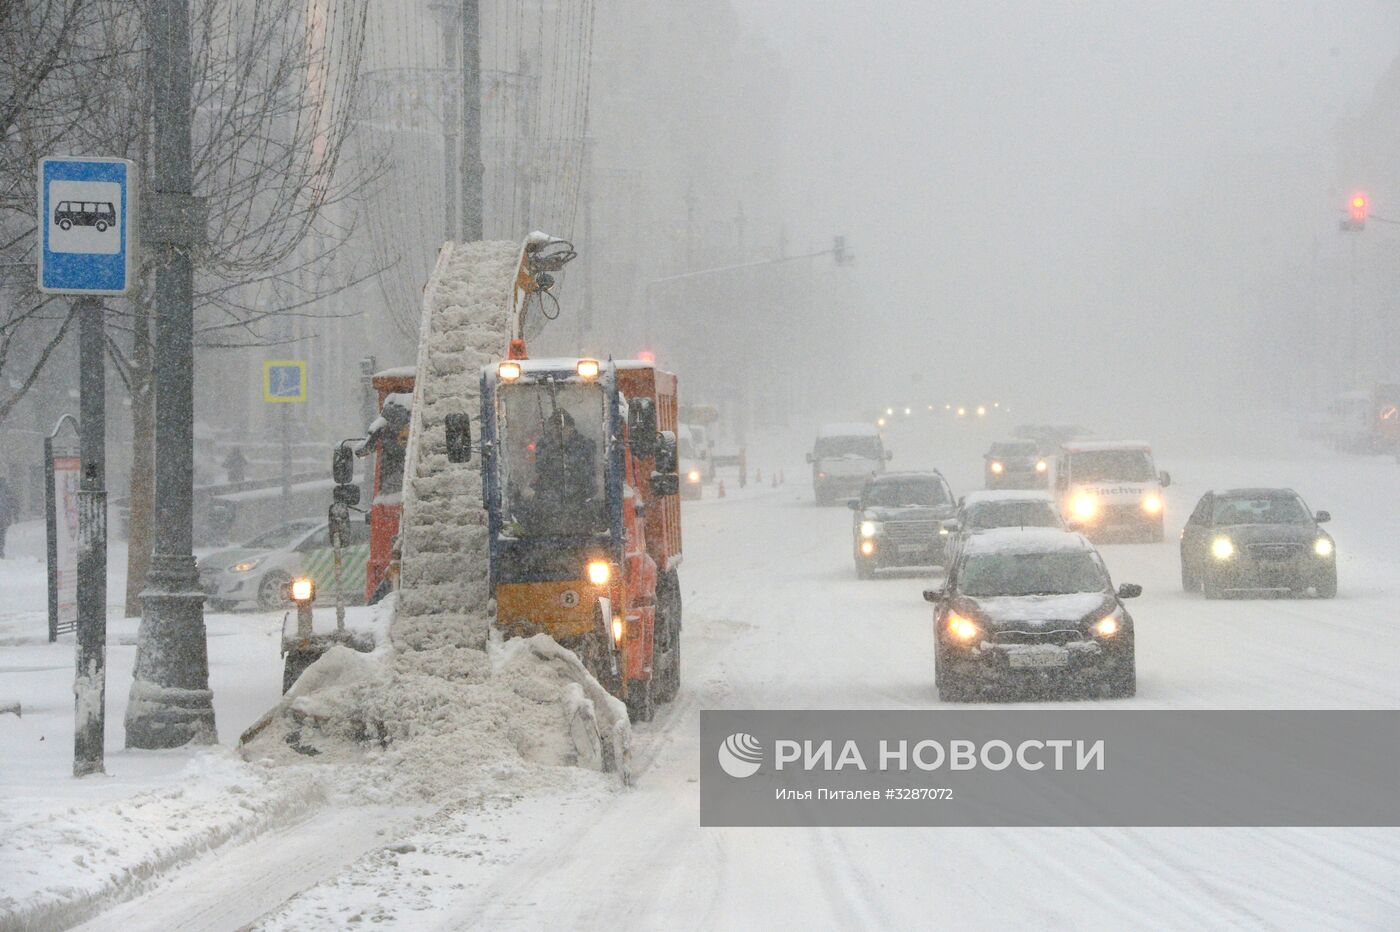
1165,479
343,464
347,495
641,428
666,462
459,438
338,518
663,484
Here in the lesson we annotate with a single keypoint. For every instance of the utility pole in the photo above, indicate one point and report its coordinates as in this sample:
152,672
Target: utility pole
473,172
171,704
90,685
451,117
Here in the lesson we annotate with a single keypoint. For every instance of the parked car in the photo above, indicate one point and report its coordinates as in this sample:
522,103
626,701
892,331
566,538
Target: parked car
254,574
1257,539
1032,607
898,521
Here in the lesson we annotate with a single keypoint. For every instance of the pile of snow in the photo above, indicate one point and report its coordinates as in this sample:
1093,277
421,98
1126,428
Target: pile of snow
439,710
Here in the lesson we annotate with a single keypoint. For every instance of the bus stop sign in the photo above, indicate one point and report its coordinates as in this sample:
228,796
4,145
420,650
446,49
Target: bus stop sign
87,226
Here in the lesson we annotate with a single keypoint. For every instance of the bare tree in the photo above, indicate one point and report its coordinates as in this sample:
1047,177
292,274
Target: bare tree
275,83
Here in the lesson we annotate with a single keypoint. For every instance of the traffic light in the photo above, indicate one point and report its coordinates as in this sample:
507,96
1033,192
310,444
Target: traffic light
1357,207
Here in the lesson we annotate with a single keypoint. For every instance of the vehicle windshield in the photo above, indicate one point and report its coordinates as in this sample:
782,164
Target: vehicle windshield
1018,574
1260,509
283,535
552,451
1111,466
1013,514
1021,449
907,493
860,446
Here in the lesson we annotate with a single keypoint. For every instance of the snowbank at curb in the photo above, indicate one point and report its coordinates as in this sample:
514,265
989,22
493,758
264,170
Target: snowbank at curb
65,867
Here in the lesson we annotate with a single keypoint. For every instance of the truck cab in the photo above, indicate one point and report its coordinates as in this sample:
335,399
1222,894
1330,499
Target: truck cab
1111,487
843,457
581,495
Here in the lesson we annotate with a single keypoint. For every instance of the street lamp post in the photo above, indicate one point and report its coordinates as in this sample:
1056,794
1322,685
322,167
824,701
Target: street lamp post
171,704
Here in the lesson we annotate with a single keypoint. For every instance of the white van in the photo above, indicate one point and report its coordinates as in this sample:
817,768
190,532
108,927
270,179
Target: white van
843,457
1108,486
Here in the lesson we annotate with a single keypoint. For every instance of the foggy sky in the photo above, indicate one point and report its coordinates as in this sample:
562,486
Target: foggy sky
1104,186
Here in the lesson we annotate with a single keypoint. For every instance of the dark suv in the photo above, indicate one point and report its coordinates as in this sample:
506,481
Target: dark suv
899,521
1253,539
1032,608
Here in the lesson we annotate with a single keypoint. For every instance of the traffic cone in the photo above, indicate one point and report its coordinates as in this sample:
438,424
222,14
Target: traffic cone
721,488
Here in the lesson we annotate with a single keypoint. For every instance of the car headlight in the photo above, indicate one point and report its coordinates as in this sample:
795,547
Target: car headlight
1222,548
693,477
867,548
1152,504
1041,466
962,629
1085,506
245,566
998,468
869,528
1323,547
599,572
1107,626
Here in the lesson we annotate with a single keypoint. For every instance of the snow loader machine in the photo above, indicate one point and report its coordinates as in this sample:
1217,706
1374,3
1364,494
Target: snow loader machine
582,499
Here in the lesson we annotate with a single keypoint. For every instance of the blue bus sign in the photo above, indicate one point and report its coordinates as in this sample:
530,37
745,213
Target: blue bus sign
87,226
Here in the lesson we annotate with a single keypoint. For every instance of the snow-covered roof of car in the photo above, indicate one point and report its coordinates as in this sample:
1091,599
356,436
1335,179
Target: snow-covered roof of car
1253,493
1006,495
898,475
1026,540
848,430
1094,446
396,372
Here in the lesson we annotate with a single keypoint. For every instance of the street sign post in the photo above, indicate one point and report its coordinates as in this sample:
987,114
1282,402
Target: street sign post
87,226
284,382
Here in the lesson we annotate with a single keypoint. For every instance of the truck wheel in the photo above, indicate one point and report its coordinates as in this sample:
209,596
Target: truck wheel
641,707
668,622
1327,586
380,591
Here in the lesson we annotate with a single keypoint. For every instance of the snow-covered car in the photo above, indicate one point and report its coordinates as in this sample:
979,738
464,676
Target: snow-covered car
1257,539
1015,464
253,574
979,512
899,521
1032,608
1111,487
843,457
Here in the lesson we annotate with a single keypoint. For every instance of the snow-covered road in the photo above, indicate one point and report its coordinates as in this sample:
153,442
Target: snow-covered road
777,619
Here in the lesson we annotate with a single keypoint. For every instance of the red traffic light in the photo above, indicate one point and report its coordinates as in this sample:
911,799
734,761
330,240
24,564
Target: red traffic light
1358,206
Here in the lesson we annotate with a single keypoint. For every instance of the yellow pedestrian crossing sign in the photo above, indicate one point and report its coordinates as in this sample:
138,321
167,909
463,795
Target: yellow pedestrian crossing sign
284,381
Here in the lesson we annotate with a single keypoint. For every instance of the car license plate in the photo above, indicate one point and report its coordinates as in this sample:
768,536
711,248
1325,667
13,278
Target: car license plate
912,548
1039,659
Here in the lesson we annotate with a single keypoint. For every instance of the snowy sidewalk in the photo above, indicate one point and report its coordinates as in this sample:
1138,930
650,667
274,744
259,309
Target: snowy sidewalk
73,846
